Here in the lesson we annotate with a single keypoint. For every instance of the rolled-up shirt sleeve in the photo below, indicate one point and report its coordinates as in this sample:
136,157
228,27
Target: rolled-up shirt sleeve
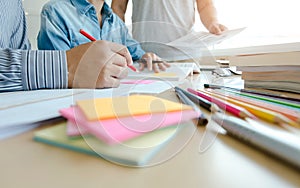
32,69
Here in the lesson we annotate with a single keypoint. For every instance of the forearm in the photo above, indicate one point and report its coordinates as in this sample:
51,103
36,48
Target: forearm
119,7
30,70
207,12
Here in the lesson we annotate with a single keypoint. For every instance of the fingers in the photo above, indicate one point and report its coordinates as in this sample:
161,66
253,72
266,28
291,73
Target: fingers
123,51
111,75
142,66
149,63
119,60
107,82
150,59
118,72
217,28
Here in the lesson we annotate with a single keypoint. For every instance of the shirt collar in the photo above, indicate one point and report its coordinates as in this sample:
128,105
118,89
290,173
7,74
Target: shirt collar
84,6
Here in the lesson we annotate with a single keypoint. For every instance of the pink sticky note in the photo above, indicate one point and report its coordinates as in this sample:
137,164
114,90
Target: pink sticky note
138,82
118,130
74,130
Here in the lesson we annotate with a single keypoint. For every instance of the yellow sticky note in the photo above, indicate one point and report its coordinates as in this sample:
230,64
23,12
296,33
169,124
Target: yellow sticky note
165,74
107,108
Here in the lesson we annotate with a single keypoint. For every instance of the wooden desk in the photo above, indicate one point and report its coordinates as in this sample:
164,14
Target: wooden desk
226,162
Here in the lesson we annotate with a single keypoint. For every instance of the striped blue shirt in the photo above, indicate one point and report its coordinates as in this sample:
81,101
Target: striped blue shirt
20,67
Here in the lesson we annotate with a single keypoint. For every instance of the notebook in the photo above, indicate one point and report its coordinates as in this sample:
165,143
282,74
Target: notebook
137,152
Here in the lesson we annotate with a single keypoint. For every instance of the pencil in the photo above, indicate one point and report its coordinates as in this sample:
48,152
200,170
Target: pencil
153,61
292,114
262,113
84,33
286,148
202,120
211,107
264,93
229,107
268,99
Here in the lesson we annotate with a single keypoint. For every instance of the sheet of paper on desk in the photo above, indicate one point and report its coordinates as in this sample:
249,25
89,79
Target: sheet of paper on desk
173,73
155,87
19,109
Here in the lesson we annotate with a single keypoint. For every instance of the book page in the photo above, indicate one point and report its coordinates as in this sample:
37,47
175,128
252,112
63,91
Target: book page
204,39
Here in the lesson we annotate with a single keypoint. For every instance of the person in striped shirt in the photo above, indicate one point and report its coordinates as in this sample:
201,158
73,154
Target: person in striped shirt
24,69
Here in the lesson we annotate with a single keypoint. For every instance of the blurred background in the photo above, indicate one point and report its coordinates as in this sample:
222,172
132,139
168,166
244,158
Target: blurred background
266,21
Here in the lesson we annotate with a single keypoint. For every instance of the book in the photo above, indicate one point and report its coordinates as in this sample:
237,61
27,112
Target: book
274,85
117,130
267,59
261,49
136,152
190,65
267,68
282,76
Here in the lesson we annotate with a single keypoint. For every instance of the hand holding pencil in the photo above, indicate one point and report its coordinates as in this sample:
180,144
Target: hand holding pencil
87,70
152,62
121,52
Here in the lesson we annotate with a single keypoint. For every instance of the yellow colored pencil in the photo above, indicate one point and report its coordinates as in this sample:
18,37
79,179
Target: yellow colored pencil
262,113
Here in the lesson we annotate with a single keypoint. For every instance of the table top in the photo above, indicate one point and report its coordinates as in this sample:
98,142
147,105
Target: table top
205,158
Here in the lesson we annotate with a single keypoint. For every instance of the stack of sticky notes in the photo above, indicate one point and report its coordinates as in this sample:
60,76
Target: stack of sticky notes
112,127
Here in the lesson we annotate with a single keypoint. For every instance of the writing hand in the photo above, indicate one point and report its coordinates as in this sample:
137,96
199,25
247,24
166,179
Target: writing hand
97,64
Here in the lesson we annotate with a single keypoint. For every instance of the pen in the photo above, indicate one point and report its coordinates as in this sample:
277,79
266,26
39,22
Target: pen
211,107
202,120
84,33
212,86
285,147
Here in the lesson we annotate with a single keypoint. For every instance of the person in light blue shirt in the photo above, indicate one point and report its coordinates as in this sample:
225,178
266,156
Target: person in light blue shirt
61,21
24,69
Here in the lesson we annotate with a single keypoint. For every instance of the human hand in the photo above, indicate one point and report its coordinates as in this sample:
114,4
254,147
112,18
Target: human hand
216,28
97,64
149,58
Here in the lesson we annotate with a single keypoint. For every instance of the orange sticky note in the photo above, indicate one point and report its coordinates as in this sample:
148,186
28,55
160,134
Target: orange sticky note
106,108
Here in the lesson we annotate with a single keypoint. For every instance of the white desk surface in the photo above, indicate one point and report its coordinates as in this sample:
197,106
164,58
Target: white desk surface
227,162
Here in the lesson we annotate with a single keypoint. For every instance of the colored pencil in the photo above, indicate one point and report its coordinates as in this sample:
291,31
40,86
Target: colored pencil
262,113
268,99
211,107
202,120
229,107
292,114
263,93
91,38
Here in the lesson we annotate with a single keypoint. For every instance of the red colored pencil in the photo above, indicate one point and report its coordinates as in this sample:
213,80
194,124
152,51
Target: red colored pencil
229,107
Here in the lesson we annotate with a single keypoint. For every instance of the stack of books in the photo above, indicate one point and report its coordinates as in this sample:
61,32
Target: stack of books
127,130
270,70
